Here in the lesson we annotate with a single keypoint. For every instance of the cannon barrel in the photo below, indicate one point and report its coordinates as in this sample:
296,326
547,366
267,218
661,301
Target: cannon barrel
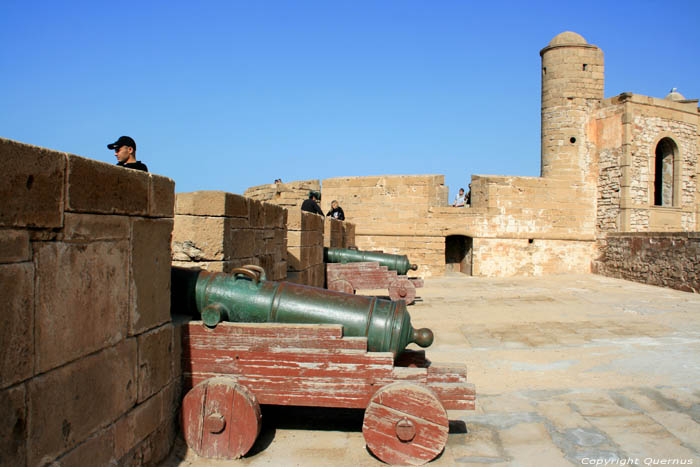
398,263
245,296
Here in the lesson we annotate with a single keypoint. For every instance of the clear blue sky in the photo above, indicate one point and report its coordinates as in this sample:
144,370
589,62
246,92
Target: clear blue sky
224,95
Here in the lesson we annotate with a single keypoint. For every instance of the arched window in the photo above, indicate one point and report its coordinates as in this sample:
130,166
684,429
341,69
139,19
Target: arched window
666,173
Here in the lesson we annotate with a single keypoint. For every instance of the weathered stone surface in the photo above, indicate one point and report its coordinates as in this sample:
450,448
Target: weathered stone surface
307,238
150,274
68,404
310,221
256,213
644,257
16,322
137,424
96,450
155,361
287,195
95,227
98,187
161,196
31,186
275,216
82,298
241,243
13,426
211,203
14,246
205,234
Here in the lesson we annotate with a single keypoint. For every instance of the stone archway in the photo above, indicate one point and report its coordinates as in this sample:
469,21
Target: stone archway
458,254
666,171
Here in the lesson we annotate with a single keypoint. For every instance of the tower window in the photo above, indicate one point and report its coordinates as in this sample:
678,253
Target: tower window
585,66
544,70
572,140
666,172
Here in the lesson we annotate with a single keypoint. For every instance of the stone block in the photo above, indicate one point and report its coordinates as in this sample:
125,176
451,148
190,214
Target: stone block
95,227
242,243
305,238
82,297
211,203
349,235
16,323
155,361
97,450
256,213
279,271
206,234
68,404
217,266
293,219
13,426
161,196
312,221
300,258
298,277
98,187
150,274
274,216
171,398
14,246
137,424
31,186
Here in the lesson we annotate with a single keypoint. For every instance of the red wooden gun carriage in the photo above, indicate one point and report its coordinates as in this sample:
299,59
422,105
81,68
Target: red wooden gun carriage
232,369
350,269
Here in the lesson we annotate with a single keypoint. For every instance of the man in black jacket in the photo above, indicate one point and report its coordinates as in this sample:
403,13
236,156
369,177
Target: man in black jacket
311,204
125,151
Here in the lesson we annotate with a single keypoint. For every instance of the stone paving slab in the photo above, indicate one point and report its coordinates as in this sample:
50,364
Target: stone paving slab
569,370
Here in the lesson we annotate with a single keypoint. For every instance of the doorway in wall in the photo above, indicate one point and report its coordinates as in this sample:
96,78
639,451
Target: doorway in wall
458,254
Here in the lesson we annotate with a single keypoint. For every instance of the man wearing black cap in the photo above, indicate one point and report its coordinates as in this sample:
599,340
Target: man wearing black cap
125,151
311,204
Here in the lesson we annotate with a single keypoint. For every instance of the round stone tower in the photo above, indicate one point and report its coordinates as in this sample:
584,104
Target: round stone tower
572,87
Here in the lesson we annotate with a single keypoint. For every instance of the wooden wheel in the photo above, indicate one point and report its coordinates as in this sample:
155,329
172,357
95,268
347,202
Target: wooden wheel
405,423
341,285
220,419
403,289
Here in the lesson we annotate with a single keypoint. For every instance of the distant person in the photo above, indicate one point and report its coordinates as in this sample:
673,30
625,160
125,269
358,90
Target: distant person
459,199
336,211
468,196
311,204
125,151
278,180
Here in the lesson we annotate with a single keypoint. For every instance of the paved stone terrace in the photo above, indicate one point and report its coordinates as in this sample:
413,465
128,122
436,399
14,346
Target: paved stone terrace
569,370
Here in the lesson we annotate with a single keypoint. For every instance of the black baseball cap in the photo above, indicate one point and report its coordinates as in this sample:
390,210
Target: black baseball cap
122,141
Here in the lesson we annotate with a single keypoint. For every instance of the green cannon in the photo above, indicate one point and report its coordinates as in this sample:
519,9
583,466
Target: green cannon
245,296
398,263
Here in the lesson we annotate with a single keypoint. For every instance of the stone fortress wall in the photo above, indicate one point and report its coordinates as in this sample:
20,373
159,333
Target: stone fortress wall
288,195
90,371
624,164
220,231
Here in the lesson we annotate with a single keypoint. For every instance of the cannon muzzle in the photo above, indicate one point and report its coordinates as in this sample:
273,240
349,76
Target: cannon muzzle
398,263
245,296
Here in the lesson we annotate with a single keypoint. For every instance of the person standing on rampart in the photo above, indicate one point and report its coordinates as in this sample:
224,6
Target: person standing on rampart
125,152
311,204
336,211
459,199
